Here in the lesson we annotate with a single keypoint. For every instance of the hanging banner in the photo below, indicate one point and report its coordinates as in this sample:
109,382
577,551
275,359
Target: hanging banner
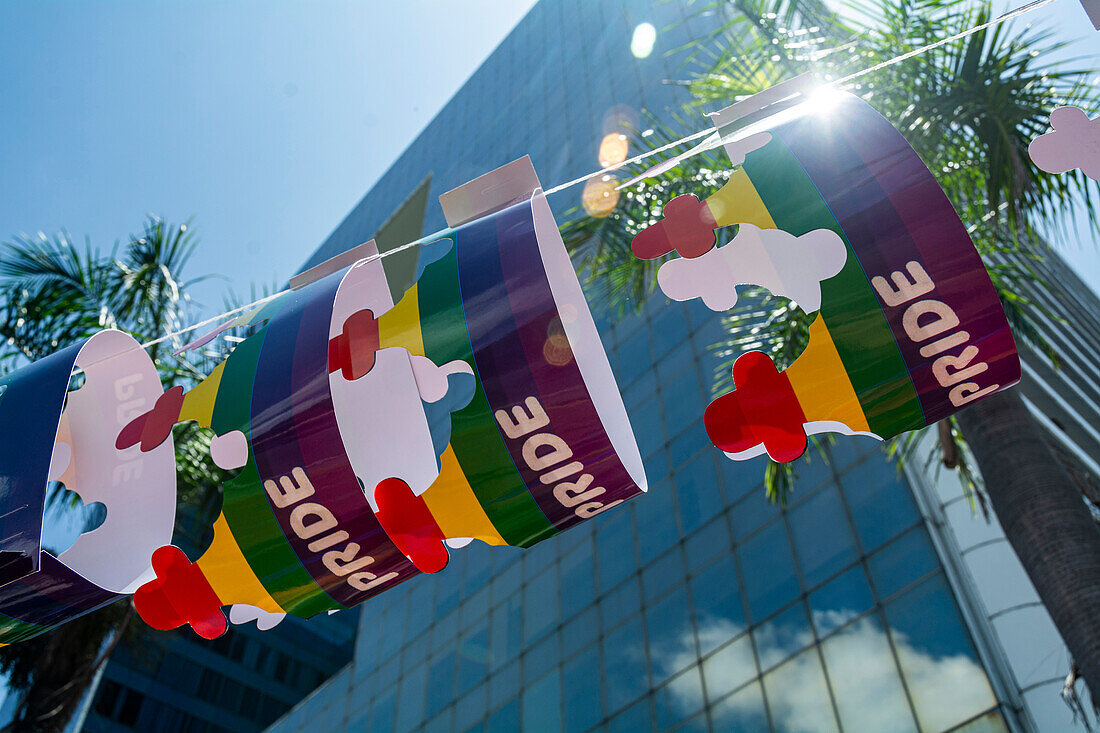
389,410
41,444
367,435
837,212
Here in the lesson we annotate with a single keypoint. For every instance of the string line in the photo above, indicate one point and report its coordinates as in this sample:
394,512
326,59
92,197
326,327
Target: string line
1008,15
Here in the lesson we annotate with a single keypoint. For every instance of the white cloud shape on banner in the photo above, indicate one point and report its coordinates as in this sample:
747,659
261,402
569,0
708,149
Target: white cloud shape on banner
1074,142
788,266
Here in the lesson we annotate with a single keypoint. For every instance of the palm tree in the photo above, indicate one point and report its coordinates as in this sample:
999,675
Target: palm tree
969,108
53,293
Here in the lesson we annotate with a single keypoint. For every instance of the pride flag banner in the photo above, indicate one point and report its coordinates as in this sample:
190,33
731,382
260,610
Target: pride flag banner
837,212
386,412
369,438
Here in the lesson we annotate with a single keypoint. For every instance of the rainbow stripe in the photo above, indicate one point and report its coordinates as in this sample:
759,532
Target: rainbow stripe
853,173
274,388
488,302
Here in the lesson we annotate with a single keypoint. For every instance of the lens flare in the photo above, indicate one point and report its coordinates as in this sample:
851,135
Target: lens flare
599,197
556,349
641,44
613,149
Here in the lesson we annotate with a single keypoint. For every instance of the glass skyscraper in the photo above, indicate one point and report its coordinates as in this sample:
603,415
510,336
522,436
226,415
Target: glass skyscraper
873,601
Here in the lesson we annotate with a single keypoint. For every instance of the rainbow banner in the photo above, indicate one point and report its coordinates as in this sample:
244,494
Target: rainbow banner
910,328
368,436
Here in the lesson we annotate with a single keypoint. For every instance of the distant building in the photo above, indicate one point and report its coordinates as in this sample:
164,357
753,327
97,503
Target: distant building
240,682
873,602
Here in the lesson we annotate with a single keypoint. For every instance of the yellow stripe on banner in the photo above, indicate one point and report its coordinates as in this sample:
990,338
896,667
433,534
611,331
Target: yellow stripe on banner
198,404
230,575
821,382
454,506
738,203
400,325
450,499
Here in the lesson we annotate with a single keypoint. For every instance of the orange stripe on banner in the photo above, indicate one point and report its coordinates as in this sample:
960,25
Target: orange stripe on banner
822,384
230,575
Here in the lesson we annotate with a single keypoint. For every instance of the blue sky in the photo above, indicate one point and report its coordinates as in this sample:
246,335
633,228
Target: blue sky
265,121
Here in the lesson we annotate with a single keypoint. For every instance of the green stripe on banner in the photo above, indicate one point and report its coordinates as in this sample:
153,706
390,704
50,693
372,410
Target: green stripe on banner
856,323
246,506
475,437
13,630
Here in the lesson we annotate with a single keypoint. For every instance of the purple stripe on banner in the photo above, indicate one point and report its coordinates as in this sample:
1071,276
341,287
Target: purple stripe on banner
563,392
53,595
274,440
884,242
338,488
293,426
511,313
501,363
947,254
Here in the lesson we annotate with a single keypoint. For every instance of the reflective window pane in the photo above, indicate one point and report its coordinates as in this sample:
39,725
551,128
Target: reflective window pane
880,501
707,543
622,602
441,680
656,516
718,611
797,696
681,698
671,641
728,668
540,603
625,676
741,712
505,720
578,581
753,512
822,536
840,600
683,400
410,699
615,539
505,684
581,690
770,580
473,657
580,632
635,719
782,636
739,478
663,574
938,660
541,704
506,631
540,658
903,561
697,491
864,677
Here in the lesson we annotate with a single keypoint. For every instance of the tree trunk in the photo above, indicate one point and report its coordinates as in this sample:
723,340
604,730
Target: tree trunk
1044,518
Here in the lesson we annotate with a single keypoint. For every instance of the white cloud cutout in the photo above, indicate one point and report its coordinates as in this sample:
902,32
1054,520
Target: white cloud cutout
242,613
431,380
813,427
1074,142
788,266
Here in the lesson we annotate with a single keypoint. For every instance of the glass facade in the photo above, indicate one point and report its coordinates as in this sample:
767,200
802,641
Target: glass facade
241,681
700,606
